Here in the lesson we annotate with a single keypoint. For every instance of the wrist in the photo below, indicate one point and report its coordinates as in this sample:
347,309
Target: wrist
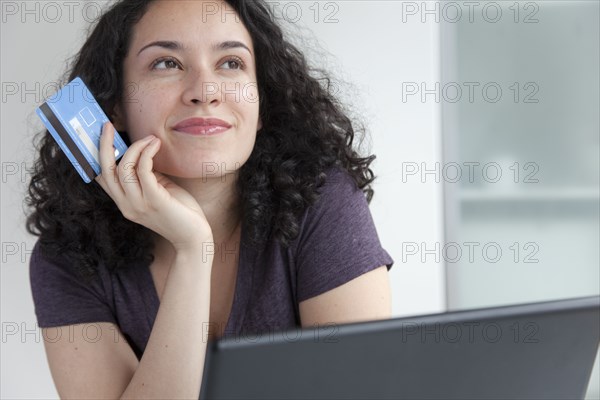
204,247
195,247
193,260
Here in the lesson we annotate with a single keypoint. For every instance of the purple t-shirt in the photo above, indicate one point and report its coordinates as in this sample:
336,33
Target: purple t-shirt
337,242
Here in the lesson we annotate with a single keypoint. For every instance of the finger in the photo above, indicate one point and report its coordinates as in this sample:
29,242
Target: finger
108,165
146,175
127,169
100,180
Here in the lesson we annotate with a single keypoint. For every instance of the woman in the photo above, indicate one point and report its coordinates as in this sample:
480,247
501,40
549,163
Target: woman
238,207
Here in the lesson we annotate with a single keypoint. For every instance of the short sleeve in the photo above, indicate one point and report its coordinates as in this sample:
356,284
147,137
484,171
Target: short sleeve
61,297
338,241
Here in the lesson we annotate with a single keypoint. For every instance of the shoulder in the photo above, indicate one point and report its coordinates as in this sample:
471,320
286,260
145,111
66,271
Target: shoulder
341,213
337,240
339,190
61,295
46,262
338,182
43,265
340,200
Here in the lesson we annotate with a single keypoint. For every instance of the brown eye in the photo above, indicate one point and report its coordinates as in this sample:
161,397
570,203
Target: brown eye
234,63
165,63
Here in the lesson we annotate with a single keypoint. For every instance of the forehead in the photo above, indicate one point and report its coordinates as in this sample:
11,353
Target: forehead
196,23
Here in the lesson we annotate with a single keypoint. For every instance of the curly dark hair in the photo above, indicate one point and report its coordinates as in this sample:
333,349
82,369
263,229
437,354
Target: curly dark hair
305,130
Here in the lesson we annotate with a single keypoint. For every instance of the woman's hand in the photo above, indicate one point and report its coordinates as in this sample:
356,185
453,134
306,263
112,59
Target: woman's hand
149,198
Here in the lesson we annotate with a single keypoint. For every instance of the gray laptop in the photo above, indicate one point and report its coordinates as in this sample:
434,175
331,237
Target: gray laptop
528,351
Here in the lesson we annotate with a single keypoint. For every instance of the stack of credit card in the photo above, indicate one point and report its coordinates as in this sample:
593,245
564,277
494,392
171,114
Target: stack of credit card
75,120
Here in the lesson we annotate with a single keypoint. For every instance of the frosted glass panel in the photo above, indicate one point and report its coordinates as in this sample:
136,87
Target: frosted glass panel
520,101
526,141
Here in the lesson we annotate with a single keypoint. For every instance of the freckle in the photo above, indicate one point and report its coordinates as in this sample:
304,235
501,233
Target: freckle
76,348
143,383
166,345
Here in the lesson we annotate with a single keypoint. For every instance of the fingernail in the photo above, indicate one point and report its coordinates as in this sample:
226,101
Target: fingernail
108,126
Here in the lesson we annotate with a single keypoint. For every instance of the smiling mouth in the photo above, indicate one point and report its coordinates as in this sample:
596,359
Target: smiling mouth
202,126
203,130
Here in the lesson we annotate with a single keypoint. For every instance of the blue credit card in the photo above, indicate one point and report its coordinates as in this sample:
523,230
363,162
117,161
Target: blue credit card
75,120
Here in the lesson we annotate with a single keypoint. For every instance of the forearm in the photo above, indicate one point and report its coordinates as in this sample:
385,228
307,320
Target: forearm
173,361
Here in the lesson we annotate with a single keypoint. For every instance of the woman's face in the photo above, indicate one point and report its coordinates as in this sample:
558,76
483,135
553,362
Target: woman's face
191,59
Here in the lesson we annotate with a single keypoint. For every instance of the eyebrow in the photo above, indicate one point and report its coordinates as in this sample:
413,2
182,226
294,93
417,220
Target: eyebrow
172,45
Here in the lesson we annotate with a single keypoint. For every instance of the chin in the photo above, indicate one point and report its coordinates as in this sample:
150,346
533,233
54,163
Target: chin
206,170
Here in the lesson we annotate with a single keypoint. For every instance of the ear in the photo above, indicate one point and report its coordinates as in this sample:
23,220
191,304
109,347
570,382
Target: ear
259,126
117,117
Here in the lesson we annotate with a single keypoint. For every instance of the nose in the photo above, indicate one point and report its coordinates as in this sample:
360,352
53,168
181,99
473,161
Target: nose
199,89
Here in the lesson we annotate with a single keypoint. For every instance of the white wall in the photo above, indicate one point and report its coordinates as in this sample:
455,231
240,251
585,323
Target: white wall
376,53
372,51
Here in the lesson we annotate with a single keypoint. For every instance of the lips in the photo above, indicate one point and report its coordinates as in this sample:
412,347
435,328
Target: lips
202,126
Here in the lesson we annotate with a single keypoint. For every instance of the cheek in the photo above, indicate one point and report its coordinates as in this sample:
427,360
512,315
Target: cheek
250,93
143,114
250,105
